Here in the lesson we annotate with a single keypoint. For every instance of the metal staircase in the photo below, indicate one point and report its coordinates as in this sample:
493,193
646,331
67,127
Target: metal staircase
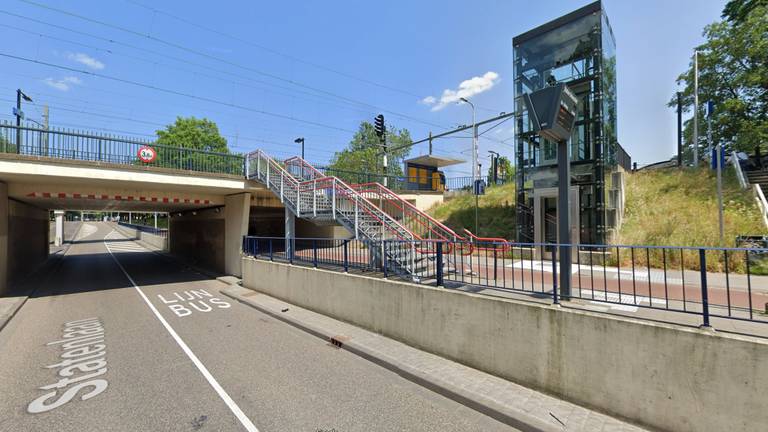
309,195
424,227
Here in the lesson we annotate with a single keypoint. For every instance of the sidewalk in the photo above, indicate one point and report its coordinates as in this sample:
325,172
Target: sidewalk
510,403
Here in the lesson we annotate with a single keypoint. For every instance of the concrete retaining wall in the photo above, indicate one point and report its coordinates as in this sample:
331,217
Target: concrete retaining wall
662,376
152,240
199,239
23,239
28,229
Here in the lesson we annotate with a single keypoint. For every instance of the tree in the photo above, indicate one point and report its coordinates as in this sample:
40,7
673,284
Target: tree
733,74
737,10
195,144
362,160
506,170
193,133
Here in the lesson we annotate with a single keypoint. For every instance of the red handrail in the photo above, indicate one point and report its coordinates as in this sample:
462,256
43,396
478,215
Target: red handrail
385,195
505,244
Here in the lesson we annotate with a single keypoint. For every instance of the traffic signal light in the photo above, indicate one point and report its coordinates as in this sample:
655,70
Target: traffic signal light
378,125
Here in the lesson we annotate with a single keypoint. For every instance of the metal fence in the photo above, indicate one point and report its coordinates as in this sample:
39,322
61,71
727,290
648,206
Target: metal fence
465,183
723,283
335,254
59,143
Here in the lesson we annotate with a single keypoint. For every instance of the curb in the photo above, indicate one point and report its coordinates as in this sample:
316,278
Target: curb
477,402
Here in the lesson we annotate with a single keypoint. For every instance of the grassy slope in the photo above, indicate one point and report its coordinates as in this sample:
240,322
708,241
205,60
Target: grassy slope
663,207
496,216
679,207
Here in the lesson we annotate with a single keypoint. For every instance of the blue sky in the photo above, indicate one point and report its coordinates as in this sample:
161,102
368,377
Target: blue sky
268,72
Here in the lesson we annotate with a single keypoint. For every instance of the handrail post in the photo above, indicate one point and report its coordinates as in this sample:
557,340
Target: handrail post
413,257
333,198
704,291
346,256
282,181
271,256
383,258
439,263
314,252
314,198
298,200
555,299
357,201
258,165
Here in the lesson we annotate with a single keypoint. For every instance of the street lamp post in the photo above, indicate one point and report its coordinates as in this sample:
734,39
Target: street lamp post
300,141
475,174
19,114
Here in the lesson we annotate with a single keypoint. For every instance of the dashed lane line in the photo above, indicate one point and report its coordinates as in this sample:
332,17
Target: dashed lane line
244,420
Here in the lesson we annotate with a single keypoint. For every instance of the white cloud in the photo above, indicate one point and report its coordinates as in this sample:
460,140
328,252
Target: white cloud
466,89
63,84
87,60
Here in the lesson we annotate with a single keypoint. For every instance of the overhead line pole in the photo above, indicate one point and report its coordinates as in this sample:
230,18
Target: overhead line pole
696,109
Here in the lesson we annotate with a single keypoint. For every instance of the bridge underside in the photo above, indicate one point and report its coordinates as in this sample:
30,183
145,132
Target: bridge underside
209,212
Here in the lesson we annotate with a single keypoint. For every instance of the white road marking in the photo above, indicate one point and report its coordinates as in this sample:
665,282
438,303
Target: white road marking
121,244
545,266
193,300
86,230
84,351
244,420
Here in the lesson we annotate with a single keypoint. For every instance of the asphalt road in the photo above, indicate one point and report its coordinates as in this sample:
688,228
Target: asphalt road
119,338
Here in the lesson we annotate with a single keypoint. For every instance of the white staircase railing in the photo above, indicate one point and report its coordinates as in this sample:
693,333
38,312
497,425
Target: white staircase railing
739,173
326,199
757,190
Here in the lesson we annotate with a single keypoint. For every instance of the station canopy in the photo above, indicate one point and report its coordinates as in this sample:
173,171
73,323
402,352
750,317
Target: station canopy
433,161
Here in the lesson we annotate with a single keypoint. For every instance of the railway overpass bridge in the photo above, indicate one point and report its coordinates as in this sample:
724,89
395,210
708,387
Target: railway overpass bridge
211,202
213,199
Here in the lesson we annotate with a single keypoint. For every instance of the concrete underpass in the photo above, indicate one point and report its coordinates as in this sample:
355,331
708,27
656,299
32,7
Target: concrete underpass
209,213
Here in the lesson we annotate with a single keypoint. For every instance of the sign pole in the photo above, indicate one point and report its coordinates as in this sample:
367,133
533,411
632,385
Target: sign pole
563,217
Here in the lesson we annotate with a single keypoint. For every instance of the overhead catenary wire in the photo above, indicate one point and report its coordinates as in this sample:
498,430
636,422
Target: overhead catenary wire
320,99
284,55
144,99
173,92
210,100
225,61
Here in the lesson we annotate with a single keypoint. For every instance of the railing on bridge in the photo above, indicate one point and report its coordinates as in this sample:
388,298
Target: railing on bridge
702,283
59,143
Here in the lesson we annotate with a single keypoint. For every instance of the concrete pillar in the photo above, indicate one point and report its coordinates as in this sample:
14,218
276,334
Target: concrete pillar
59,238
130,218
236,213
4,211
290,231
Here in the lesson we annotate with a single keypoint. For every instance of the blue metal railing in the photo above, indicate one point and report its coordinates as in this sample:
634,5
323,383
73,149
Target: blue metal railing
708,282
74,145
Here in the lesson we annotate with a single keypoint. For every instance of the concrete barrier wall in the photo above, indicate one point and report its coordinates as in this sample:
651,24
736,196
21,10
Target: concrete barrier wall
28,229
153,240
199,239
662,376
